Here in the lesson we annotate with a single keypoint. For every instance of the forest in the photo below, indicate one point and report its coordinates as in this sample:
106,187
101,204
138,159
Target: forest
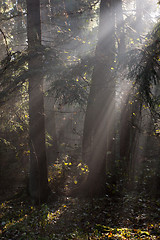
79,119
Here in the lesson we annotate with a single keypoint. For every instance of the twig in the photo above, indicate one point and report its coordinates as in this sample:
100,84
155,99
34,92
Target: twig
5,40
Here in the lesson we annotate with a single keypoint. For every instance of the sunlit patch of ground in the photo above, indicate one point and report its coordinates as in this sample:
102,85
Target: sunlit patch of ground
72,218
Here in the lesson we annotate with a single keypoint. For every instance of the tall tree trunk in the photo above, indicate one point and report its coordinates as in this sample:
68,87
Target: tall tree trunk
125,135
129,137
98,126
120,28
38,184
130,119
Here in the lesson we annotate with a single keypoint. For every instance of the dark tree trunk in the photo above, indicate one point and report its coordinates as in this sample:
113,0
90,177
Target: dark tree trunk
98,126
128,123
125,135
129,137
38,184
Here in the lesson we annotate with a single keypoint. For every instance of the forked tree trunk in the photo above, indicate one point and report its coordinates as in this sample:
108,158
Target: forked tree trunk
38,182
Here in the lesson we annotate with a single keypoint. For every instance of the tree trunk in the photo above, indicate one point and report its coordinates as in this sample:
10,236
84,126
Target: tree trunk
38,184
125,135
128,127
120,28
129,137
98,126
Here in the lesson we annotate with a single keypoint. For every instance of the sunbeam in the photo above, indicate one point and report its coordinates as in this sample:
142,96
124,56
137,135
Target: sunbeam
80,119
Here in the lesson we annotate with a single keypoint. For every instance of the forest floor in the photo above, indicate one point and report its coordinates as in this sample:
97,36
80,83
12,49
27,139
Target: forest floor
129,217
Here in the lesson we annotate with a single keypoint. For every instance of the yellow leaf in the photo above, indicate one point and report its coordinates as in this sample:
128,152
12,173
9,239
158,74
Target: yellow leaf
75,182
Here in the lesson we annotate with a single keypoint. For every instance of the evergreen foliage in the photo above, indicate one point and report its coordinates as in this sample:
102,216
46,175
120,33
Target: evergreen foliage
68,67
143,69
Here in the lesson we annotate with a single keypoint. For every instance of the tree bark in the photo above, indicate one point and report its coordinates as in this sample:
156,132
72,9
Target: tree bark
98,125
38,182
128,131
125,135
129,137
120,28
